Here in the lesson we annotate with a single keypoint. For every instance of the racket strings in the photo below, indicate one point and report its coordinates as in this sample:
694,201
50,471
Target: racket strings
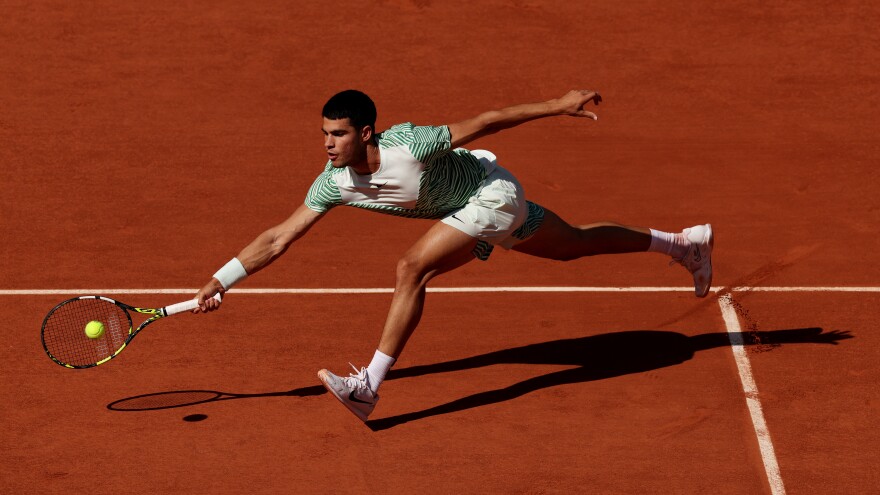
64,331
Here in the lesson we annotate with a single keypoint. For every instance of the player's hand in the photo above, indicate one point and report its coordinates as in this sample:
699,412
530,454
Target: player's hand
575,101
206,297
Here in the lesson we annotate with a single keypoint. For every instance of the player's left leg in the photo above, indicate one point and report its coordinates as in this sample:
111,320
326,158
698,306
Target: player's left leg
556,239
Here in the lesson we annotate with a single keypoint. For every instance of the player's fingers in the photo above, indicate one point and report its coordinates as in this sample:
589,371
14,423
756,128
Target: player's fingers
203,301
589,115
591,95
211,304
217,299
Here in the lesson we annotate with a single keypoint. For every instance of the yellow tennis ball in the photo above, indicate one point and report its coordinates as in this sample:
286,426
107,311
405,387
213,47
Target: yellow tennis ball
94,329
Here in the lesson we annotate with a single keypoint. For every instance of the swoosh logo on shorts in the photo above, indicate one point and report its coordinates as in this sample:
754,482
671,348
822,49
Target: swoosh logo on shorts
455,217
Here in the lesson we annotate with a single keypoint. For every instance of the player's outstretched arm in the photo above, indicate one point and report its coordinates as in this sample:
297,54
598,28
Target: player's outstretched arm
572,103
261,252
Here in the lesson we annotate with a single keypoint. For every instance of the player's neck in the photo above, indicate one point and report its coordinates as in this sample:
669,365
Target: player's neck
371,161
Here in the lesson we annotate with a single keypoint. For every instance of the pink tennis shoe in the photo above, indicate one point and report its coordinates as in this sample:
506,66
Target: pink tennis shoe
698,259
352,391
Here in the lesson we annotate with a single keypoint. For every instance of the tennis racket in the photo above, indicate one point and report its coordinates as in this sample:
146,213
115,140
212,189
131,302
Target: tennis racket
63,332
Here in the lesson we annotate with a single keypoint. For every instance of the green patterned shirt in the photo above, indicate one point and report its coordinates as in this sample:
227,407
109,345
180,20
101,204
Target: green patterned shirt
419,176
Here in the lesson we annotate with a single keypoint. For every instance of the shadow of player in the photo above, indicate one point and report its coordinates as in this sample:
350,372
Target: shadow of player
595,357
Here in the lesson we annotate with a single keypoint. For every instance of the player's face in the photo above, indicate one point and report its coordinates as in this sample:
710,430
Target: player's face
345,144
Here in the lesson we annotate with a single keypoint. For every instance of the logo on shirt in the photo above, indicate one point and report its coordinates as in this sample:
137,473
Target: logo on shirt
377,186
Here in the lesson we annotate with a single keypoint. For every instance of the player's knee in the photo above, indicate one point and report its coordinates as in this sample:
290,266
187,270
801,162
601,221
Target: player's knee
409,270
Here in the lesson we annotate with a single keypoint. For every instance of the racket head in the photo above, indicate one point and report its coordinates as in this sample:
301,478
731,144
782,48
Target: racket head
63,331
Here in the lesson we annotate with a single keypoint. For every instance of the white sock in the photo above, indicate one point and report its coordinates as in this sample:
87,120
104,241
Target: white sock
378,368
675,245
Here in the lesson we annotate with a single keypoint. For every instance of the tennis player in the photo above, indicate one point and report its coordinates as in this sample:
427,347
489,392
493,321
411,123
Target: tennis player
422,172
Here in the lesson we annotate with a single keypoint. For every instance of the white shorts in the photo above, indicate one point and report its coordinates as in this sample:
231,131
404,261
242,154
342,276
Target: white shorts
496,211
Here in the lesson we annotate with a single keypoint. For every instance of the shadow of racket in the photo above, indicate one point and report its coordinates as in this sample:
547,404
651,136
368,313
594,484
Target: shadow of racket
185,398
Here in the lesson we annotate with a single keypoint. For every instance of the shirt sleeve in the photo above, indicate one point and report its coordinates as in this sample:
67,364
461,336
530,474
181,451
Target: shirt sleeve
324,193
430,142
426,143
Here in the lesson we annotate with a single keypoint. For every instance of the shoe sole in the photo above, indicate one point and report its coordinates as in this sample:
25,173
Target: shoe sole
322,375
711,235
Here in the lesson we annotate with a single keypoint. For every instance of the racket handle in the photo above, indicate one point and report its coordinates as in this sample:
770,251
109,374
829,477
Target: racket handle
186,306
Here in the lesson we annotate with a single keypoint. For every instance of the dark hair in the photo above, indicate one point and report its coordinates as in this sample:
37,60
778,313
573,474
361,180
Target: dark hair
353,105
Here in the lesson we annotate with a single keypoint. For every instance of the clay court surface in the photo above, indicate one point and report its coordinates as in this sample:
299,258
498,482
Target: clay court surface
142,146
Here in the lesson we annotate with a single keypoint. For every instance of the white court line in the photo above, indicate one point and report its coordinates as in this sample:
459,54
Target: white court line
386,290
805,289
734,333
354,290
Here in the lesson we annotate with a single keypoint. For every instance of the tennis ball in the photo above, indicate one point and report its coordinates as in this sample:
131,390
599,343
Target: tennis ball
94,329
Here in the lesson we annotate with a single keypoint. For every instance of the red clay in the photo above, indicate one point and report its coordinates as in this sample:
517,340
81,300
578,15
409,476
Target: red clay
142,146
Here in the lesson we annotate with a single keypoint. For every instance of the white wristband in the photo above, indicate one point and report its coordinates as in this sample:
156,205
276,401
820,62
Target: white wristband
231,273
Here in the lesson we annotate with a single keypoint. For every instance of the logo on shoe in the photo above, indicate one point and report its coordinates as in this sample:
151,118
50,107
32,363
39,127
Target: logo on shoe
352,398
697,255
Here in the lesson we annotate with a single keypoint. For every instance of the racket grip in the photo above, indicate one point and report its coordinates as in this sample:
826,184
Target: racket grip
186,306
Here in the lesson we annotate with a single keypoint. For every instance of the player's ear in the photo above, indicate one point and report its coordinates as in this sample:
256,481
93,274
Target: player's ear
366,133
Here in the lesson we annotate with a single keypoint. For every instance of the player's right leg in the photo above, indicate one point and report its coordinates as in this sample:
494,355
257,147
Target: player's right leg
556,239
441,249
